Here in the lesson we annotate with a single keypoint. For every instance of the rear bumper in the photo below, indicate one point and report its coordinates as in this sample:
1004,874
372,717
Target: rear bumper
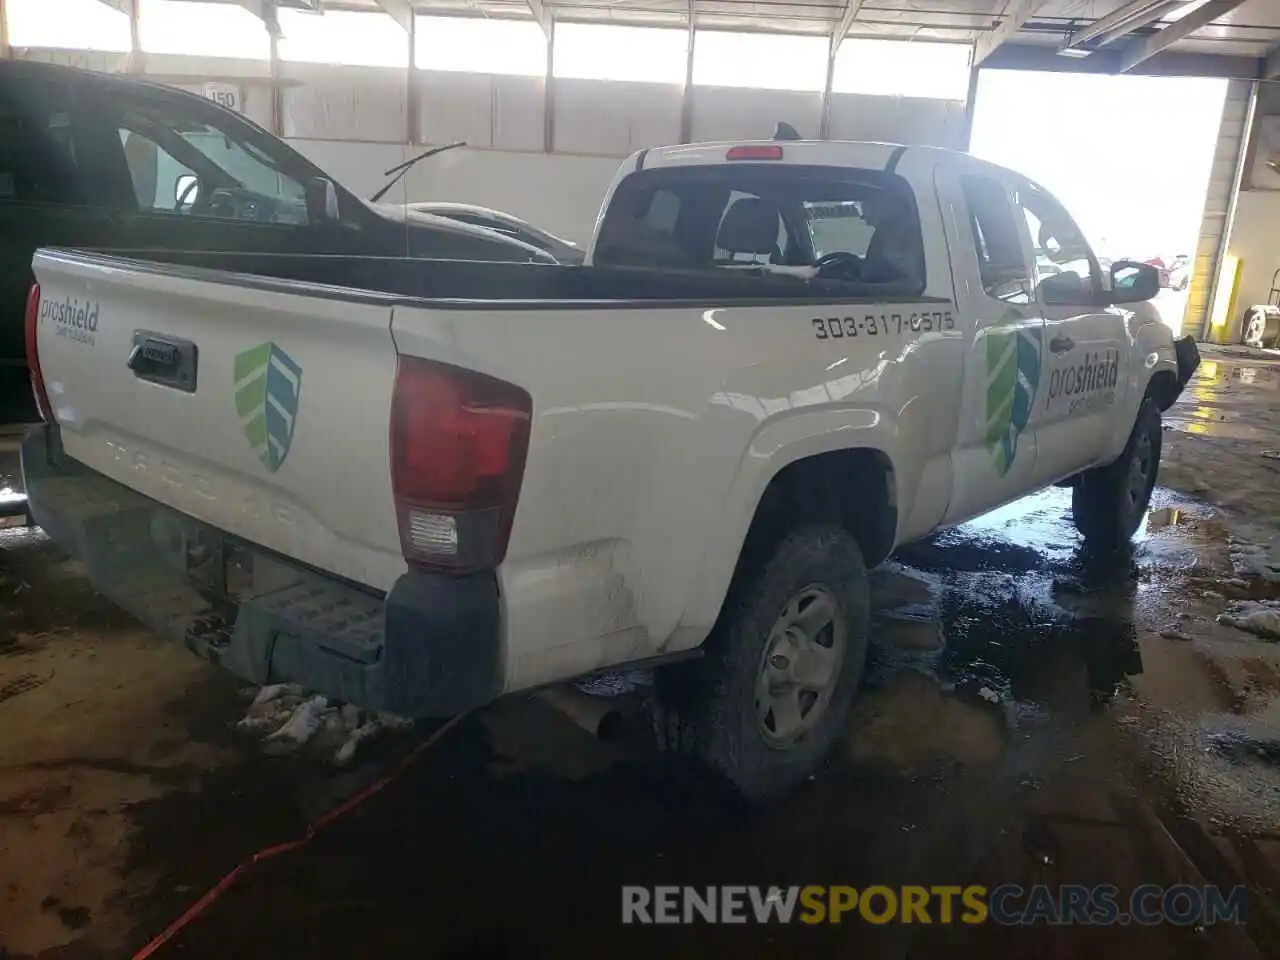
430,647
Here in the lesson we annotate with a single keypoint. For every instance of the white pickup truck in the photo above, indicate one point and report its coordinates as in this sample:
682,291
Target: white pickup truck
420,485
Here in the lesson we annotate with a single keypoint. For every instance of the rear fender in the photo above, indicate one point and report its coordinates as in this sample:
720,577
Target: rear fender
775,446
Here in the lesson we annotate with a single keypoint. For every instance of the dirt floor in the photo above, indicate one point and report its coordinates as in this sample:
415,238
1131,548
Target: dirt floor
1033,715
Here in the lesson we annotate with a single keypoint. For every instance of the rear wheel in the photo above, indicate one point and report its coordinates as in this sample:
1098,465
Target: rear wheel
1108,503
770,697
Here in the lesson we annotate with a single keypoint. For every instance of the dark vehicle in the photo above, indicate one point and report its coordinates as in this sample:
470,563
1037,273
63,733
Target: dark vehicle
104,162
564,251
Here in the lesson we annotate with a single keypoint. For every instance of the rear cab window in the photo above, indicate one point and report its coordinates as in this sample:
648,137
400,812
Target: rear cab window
857,226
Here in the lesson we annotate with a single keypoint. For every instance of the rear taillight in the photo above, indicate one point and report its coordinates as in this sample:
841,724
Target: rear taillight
458,445
33,354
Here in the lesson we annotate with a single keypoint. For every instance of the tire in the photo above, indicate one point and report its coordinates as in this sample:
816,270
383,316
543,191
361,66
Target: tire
735,709
1108,503
1261,327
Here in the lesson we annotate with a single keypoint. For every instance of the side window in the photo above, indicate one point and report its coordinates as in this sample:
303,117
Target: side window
1001,262
180,164
1064,268
150,166
38,158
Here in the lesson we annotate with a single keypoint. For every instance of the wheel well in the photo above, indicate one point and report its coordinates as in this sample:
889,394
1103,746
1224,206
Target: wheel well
1163,389
853,488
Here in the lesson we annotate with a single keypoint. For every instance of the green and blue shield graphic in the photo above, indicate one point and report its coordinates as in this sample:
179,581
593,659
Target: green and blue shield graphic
268,386
1013,375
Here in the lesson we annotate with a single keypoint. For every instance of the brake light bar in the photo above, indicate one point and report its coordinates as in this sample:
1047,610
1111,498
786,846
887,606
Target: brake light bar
770,151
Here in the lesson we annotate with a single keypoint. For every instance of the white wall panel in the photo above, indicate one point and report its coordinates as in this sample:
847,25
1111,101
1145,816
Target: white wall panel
909,120
101,60
357,166
255,99
734,113
614,119
345,102
485,110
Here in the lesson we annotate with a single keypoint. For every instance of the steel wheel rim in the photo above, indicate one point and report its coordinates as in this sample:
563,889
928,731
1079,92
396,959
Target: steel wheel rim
800,666
1140,469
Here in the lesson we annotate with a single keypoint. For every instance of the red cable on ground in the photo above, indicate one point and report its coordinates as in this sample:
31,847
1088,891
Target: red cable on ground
308,835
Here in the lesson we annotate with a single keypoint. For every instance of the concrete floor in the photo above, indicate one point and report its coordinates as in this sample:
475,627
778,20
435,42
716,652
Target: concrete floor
1033,714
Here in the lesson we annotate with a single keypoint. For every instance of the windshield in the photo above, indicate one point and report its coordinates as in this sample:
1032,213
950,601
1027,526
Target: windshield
183,163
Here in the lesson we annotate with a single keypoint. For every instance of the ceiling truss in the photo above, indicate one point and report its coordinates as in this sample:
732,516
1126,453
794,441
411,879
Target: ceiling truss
1136,35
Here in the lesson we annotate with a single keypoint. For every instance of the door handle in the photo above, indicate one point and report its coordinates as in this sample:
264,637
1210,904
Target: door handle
1061,344
167,361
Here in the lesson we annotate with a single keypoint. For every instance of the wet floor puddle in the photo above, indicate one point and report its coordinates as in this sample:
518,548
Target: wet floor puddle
1216,403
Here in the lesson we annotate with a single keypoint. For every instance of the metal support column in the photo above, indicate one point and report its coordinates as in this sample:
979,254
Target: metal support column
824,125
272,20
548,92
6,51
686,95
970,99
413,123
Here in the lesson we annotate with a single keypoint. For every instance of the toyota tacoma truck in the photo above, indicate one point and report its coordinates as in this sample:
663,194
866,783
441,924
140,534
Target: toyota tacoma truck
420,485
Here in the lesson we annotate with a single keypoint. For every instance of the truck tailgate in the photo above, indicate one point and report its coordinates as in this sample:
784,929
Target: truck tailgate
258,408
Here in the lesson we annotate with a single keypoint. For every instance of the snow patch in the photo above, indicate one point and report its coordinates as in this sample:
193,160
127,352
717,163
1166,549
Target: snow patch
1259,617
288,718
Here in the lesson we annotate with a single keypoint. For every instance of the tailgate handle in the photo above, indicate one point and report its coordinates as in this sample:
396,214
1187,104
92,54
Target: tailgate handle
167,361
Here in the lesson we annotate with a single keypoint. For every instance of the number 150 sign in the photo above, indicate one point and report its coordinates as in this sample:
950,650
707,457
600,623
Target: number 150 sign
226,95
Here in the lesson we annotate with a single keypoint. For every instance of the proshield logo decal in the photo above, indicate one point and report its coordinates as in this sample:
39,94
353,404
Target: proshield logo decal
268,385
1013,375
1089,385
72,319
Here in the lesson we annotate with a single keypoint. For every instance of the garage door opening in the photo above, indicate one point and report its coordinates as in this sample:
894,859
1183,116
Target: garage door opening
1129,156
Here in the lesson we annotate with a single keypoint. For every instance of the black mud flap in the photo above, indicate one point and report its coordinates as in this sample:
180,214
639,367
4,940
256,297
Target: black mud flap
1188,357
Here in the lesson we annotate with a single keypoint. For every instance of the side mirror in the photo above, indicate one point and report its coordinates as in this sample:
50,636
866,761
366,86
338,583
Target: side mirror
322,200
1133,282
186,189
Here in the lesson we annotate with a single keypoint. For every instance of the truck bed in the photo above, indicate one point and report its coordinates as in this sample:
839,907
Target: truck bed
512,284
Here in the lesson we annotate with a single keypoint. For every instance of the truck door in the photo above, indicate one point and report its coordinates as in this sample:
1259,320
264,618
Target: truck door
1082,380
996,445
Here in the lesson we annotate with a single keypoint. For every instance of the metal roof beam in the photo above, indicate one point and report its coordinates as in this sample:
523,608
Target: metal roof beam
1202,16
1271,64
851,8
1015,15
1120,23
542,15
264,10
401,11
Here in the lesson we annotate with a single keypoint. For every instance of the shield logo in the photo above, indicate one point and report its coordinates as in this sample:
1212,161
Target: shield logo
268,385
1013,376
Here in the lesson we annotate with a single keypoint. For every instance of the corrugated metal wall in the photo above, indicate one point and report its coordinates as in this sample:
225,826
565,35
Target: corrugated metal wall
1223,187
